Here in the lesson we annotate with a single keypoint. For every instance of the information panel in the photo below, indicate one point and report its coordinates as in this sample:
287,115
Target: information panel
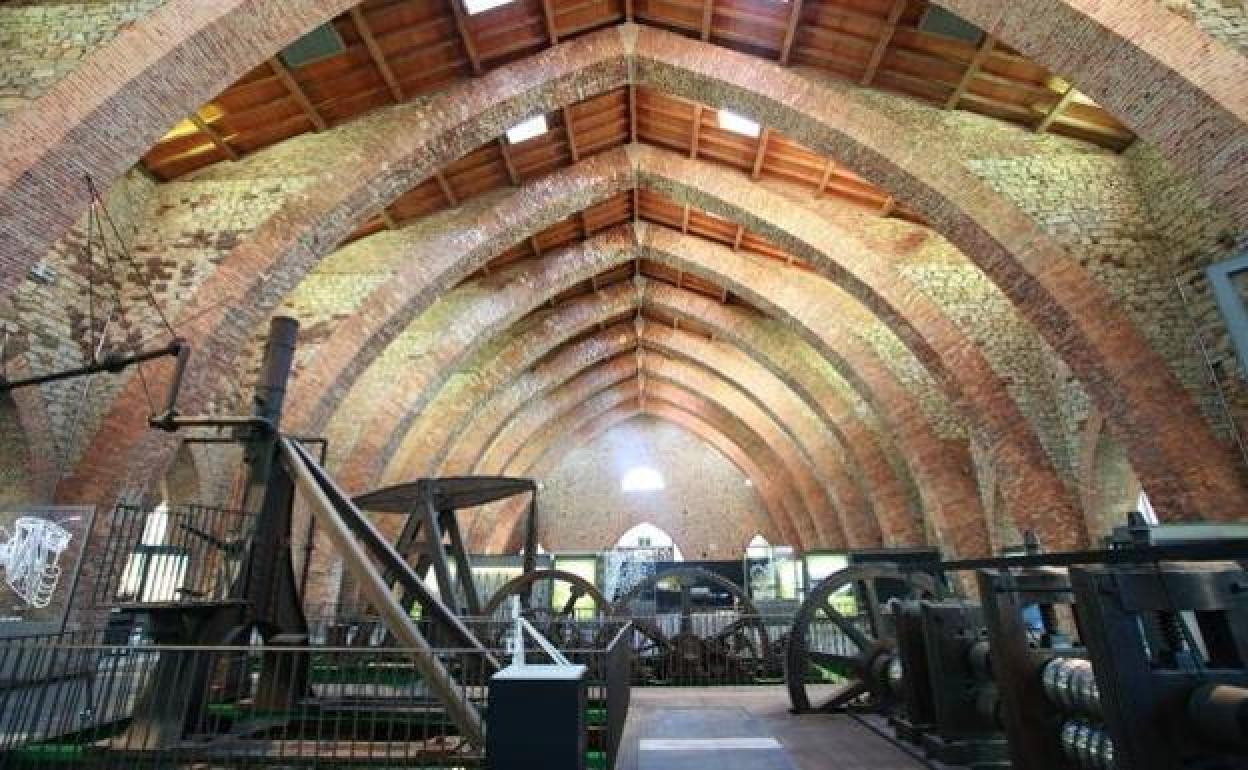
40,553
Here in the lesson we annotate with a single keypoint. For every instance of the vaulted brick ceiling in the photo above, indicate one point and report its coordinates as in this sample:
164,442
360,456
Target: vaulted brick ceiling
850,303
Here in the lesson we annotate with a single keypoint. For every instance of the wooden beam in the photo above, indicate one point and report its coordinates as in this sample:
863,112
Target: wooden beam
972,69
790,31
503,150
215,136
537,250
881,45
736,242
447,192
723,297
374,50
761,154
828,168
297,93
632,114
570,130
890,203
585,229
684,221
465,37
708,12
636,204
696,133
1047,121
548,15
388,218
628,10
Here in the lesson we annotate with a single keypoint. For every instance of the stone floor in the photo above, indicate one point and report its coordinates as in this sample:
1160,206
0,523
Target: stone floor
726,728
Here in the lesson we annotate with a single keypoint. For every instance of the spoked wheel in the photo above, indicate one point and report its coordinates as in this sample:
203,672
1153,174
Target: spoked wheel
857,648
561,624
736,652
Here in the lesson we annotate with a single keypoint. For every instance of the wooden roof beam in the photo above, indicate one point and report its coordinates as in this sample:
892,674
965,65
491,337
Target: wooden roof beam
761,154
881,45
378,56
708,12
297,93
1056,110
696,133
388,218
447,192
570,130
684,220
214,135
972,69
628,10
790,31
632,114
510,164
828,168
636,204
736,241
548,16
465,37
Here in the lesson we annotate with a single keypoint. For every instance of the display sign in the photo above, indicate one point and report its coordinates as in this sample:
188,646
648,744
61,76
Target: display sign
40,553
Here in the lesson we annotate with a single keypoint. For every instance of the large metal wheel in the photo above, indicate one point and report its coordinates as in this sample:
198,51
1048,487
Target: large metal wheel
735,652
859,649
561,625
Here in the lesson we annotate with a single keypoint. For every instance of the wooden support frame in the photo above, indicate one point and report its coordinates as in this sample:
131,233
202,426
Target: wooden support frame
374,51
569,128
465,36
696,132
790,32
972,69
881,45
297,93
214,135
1055,111
761,155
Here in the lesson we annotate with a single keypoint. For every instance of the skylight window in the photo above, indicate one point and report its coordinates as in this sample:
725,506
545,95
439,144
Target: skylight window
526,130
738,124
474,7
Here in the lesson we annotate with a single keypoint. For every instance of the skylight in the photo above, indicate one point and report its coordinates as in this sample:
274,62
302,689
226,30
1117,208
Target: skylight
526,130
738,124
481,6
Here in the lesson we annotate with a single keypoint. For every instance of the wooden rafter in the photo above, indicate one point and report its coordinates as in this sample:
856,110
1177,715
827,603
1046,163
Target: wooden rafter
708,13
388,218
890,203
570,130
736,241
972,69
1056,110
636,204
508,163
537,250
881,45
628,10
465,37
447,192
761,154
684,220
378,56
548,16
696,133
828,168
790,31
214,135
632,114
296,92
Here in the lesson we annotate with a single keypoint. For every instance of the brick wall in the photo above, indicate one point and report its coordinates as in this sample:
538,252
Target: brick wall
706,507
1225,20
41,41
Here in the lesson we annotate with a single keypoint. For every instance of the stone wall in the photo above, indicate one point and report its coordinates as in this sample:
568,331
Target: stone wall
1225,20
707,506
41,41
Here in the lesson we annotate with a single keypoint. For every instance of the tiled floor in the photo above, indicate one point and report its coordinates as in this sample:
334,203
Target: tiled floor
745,729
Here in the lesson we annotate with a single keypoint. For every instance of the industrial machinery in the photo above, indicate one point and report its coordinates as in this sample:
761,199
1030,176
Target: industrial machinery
551,600
728,645
1100,660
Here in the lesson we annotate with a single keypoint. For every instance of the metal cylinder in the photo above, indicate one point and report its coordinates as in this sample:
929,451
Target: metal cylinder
895,675
1087,745
1070,684
1220,713
279,356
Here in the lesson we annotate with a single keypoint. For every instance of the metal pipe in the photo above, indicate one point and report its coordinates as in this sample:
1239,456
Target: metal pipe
110,363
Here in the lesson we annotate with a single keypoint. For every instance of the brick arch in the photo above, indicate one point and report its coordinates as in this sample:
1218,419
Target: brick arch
595,425
574,411
1155,71
1109,485
548,335
659,396
1034,483
1072,313
30,434
813,486
749,429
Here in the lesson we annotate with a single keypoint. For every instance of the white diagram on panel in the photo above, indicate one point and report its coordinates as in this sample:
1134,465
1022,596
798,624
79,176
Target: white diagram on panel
30,557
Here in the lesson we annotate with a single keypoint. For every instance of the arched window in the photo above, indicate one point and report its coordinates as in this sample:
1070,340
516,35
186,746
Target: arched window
646,535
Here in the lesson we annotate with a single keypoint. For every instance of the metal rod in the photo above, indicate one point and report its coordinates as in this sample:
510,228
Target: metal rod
1221,550
112,364
399,623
